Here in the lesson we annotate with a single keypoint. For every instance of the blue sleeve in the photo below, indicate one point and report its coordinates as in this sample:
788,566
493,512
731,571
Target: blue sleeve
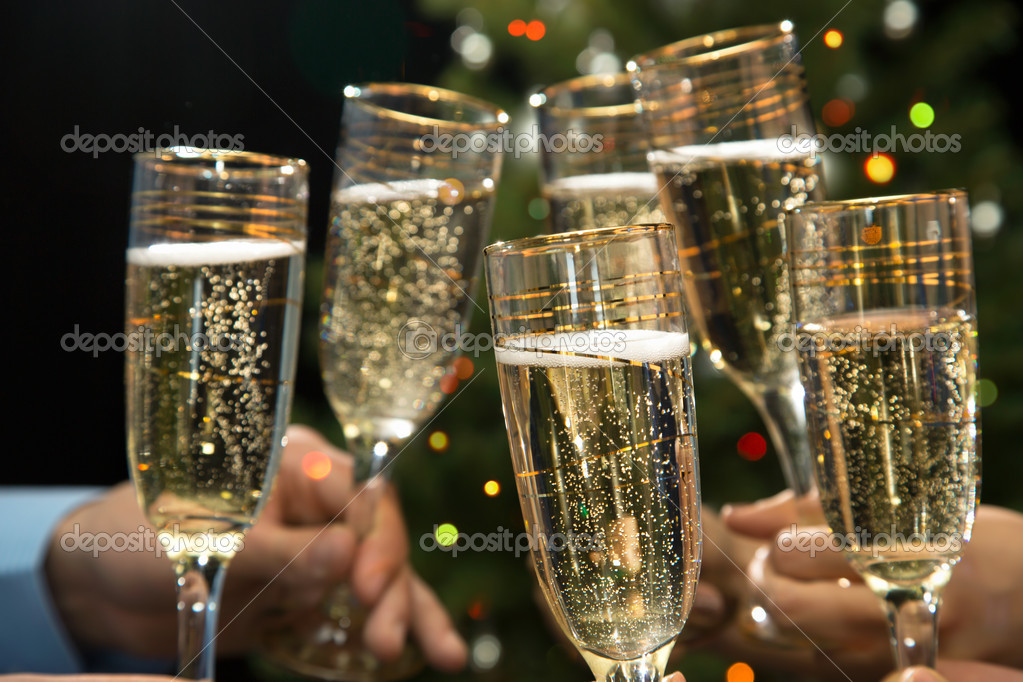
32,638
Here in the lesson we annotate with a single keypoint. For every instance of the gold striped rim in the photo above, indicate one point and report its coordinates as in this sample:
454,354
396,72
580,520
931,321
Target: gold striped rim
566,240
717,45
593,83
187,161
949,195
490,116
594,305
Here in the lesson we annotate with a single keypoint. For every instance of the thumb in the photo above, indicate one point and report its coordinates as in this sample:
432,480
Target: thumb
915,674
762,519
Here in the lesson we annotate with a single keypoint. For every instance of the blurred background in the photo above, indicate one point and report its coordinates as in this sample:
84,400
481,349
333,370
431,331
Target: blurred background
273,73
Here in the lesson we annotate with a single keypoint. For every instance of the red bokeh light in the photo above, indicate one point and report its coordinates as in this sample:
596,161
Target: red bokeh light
535,30
752,446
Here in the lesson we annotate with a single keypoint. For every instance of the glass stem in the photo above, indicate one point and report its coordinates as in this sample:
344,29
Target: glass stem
781,408
913,624
200,583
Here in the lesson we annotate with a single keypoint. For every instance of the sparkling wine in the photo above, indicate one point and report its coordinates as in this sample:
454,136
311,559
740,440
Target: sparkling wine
209,378
397,293
606,454
892,414
725,200
603,200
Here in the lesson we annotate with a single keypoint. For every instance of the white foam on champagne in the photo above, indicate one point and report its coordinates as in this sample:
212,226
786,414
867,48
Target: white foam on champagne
778,149
603,183
195,254
386,192
625,345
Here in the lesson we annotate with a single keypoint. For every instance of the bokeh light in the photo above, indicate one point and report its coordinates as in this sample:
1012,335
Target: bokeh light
535,30
739,672
517,28
492,488
837,112
438,441
921,114
463,368
451,191
316,465
752,446
449,384
538,208
833,39
446,534
880,169
986,218
987,392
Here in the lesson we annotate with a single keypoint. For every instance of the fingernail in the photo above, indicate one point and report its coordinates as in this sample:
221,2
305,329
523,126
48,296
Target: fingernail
726,510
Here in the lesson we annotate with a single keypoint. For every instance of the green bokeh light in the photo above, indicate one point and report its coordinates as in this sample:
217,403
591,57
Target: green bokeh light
921,114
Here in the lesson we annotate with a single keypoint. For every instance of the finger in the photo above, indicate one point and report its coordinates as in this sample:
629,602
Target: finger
299,563
315,479
920,674
762,519
823,611
675,677
443,647
971,671
383,552
811,553
387,624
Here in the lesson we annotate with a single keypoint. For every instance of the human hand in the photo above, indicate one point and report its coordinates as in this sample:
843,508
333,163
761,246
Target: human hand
292,557
816,595
958,671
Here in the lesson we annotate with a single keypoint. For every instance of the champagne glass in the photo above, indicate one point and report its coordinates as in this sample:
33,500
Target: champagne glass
410,213
886,329
214,286
593,359
593,152
716,108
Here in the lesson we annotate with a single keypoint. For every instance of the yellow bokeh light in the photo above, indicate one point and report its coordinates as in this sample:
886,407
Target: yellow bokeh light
739,672
880,168
833,39
439,441
492,488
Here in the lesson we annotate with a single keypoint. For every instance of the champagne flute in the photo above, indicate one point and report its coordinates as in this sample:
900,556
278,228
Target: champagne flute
885,319
716,108
594,167
593,359
410,213
214,286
